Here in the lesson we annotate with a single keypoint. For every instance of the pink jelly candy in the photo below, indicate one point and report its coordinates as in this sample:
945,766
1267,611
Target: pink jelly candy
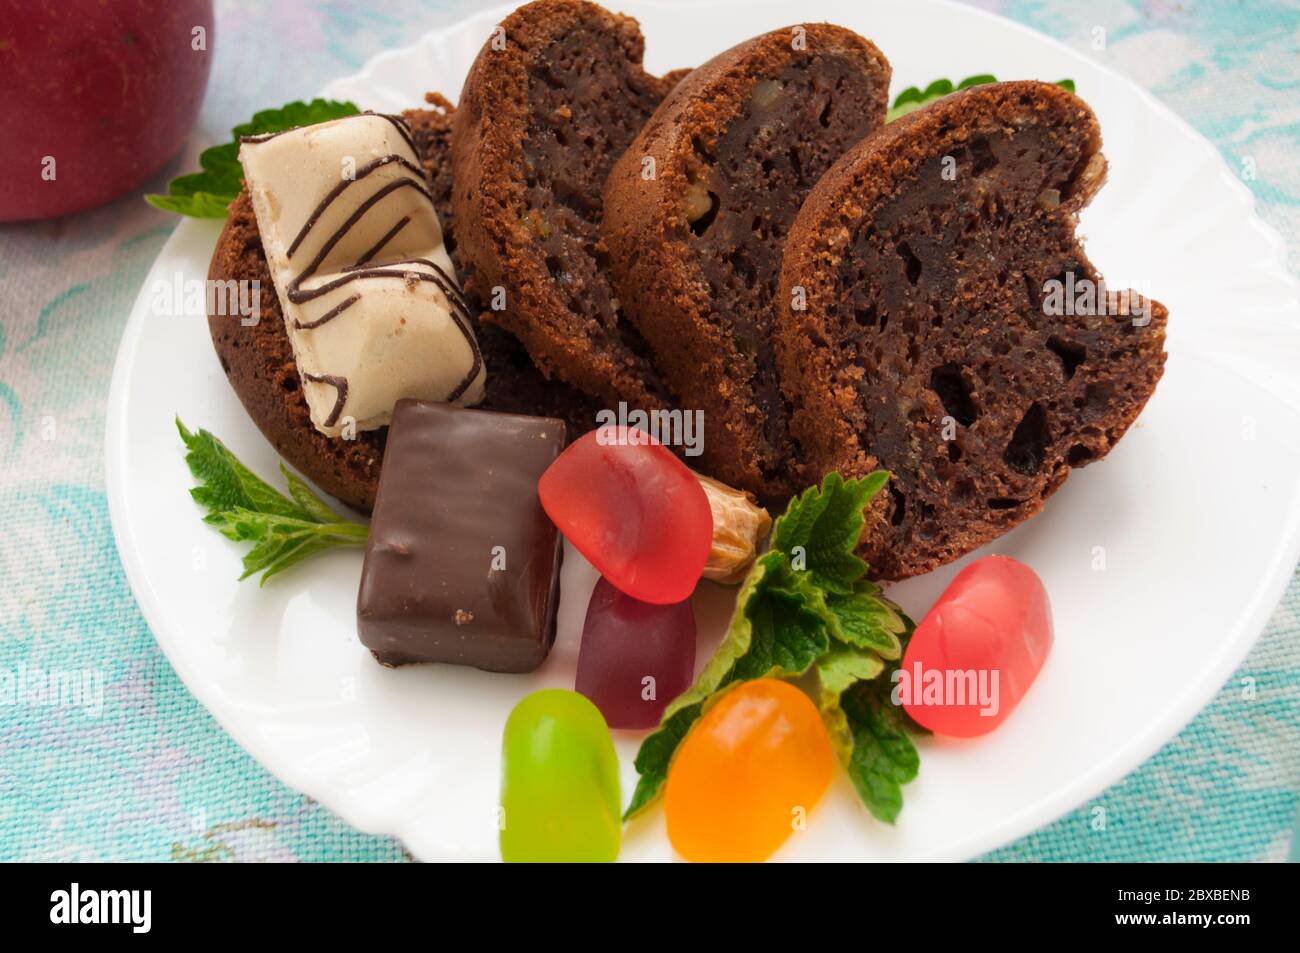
635,657
634,510
978,649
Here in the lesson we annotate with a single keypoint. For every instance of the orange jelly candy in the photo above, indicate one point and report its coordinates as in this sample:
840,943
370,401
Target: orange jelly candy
748,774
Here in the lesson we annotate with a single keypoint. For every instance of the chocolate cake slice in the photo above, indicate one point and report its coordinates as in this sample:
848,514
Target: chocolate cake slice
697,212
258,359
946,332
551,102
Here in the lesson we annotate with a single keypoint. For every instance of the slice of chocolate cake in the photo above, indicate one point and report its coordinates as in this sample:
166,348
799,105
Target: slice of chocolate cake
551,102
259,363
696,215
941,321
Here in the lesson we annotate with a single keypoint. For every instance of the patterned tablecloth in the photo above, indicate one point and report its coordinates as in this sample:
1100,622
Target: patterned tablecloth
143,772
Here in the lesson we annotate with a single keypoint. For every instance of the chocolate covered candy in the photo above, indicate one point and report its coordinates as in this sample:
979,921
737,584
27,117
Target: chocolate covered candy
462,565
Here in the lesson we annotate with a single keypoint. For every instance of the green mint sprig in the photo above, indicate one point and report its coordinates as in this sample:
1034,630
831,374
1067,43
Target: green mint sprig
913,98
284,530
806,606
207,194
882,758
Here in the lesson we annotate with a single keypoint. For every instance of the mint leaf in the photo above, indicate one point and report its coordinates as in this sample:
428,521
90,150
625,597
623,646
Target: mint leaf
788,632
292,116
282,541
284,530
871,634
655,755
735,644
208,194
308,502
841,667
777,625
865,619
913,98
940,87
195,204
872,739
883,758
819,531
226,484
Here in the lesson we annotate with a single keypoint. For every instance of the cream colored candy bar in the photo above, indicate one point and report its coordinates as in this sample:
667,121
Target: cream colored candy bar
370,299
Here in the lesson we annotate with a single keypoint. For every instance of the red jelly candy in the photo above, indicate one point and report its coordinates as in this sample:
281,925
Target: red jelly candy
978,649
635,657
634,510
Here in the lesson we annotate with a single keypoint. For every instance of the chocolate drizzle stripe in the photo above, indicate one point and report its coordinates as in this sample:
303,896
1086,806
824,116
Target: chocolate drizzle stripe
460,313
353,274
402,183
388,237
339,189
477,363
340,385
265,136
402,128
451,290
329,315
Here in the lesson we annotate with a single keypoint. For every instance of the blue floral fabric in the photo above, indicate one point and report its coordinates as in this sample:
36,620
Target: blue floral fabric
128,766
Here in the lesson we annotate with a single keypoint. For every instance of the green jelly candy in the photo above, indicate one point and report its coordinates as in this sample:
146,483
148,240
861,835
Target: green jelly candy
560,796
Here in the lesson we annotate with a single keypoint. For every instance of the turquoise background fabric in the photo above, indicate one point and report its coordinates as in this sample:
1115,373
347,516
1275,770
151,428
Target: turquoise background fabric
148,774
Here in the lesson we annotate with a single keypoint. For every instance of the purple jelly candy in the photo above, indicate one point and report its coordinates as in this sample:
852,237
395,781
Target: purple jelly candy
635,657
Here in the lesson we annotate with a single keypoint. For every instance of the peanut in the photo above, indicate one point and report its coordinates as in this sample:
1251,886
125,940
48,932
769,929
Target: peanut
739,527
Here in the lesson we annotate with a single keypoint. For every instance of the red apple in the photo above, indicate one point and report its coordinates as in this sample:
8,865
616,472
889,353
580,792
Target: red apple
95,97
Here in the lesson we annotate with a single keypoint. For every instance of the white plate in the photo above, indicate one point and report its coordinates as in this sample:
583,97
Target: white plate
1196,513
